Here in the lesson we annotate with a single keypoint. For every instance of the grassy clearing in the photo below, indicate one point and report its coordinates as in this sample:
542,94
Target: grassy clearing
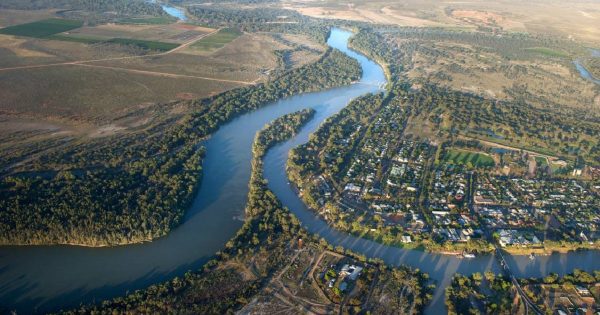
217,40
145,44
548,52
541,161
462,157
42,29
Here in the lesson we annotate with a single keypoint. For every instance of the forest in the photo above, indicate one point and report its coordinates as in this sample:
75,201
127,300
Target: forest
136,187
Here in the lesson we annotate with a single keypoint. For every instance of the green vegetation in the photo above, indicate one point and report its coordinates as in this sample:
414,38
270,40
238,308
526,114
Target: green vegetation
548,52
463,157
77,38
144,44
217,40
593,66
42,29
90,11
541,161
261,19
465,295
261,249
513,124
260,245
136,186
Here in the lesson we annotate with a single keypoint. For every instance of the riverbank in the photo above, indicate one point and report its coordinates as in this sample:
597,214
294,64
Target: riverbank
57,273
549,249
271,253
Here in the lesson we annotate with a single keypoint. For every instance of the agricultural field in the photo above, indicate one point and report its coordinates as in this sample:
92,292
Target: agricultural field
143,44
177,33
42,29
75,99
463,157
217,40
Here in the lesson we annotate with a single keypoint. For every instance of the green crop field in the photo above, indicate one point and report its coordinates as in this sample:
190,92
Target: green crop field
42,29
456,156
77,38
217,40
146,44
548,52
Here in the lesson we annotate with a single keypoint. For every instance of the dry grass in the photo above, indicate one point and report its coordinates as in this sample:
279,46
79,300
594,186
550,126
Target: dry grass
578,20
14,17
170,33
91,94
486,73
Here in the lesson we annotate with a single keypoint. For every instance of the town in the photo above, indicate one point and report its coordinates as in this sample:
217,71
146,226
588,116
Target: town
457,197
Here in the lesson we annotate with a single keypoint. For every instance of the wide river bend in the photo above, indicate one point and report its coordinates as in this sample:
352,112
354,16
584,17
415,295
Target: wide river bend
47,278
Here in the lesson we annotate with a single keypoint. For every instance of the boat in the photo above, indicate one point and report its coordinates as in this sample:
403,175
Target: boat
468,255
531,256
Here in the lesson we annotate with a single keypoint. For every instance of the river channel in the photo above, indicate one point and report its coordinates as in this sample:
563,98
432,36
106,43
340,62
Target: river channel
47,278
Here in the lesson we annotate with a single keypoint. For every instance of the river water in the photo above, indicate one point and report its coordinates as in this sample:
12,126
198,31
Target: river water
47,278
175,12
583,71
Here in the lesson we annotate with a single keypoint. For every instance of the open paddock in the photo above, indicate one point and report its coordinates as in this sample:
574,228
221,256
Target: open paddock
463,157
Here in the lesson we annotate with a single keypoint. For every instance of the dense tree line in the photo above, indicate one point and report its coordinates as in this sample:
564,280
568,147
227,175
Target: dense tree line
281,129
261,19
593,66
465,295
131,188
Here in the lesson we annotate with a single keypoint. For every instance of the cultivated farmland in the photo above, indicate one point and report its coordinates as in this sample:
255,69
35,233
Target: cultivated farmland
42,29
218,40
144,44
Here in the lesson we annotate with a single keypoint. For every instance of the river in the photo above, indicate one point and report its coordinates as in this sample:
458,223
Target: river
583,71
176,12
47,278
